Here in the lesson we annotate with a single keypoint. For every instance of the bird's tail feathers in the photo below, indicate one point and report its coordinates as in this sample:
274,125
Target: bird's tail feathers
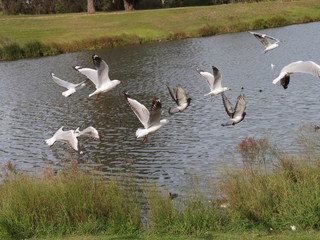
69,92
173,110
227,123
50,141
141,132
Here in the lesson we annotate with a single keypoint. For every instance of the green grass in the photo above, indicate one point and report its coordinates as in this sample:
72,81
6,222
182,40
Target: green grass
71,201
61,31
207,236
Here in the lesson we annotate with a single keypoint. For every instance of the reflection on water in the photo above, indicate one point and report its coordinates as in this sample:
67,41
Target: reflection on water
32,107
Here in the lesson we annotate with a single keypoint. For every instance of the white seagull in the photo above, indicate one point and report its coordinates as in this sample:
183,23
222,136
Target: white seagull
236,113
180,96
263,38
295,67
100,76
72,87
214,81
68,137
88,132
149,119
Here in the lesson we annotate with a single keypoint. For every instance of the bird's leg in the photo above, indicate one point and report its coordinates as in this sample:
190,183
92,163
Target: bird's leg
145,139
212,98
97,97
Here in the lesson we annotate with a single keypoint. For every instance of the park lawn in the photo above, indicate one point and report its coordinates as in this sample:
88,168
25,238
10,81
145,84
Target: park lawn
208,236
152,24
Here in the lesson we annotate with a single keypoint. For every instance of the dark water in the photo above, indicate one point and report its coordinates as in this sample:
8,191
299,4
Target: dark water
193,143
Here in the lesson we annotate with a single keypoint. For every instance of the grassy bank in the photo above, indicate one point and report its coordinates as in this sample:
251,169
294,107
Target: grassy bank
42,35
260,197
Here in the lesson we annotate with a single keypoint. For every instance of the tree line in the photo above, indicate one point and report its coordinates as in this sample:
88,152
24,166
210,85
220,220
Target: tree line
68,6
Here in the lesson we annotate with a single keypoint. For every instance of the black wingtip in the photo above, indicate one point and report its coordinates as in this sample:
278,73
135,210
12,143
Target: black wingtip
126,94
199,70
156,103
76,68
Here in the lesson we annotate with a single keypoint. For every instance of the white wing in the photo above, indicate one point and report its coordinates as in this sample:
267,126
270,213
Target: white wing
303,67
63,83
90,73
208,77
70,137
308,67
89,131
139,110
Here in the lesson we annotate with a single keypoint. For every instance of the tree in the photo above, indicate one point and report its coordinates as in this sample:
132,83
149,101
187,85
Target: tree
90,7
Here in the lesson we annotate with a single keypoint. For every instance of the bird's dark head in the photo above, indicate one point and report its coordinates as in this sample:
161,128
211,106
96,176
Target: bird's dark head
243,115
285,81
96,60
189,101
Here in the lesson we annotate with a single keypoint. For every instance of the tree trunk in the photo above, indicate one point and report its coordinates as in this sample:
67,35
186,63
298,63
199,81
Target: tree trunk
128,5
90,7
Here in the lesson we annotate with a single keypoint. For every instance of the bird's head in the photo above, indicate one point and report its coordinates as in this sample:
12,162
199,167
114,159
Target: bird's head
96,60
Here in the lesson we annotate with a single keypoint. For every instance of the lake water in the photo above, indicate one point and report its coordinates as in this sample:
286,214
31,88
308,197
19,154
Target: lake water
194,143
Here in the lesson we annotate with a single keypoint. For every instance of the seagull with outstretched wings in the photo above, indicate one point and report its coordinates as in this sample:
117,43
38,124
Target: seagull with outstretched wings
180,97
150,119
237,112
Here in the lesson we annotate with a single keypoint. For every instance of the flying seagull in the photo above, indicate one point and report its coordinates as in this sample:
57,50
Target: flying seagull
263,38
88,132
72,88
214,82
68,137
179,95
236,113
150,119
100,76
294,67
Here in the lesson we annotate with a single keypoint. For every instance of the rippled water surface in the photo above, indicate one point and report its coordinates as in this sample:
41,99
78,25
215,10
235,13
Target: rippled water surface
193,143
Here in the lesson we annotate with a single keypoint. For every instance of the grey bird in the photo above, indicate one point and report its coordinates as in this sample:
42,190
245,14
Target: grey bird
236,113
180,97
308,67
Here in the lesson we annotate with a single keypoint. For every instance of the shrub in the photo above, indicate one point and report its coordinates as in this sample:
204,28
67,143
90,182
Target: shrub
208,30
12,51
35,49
